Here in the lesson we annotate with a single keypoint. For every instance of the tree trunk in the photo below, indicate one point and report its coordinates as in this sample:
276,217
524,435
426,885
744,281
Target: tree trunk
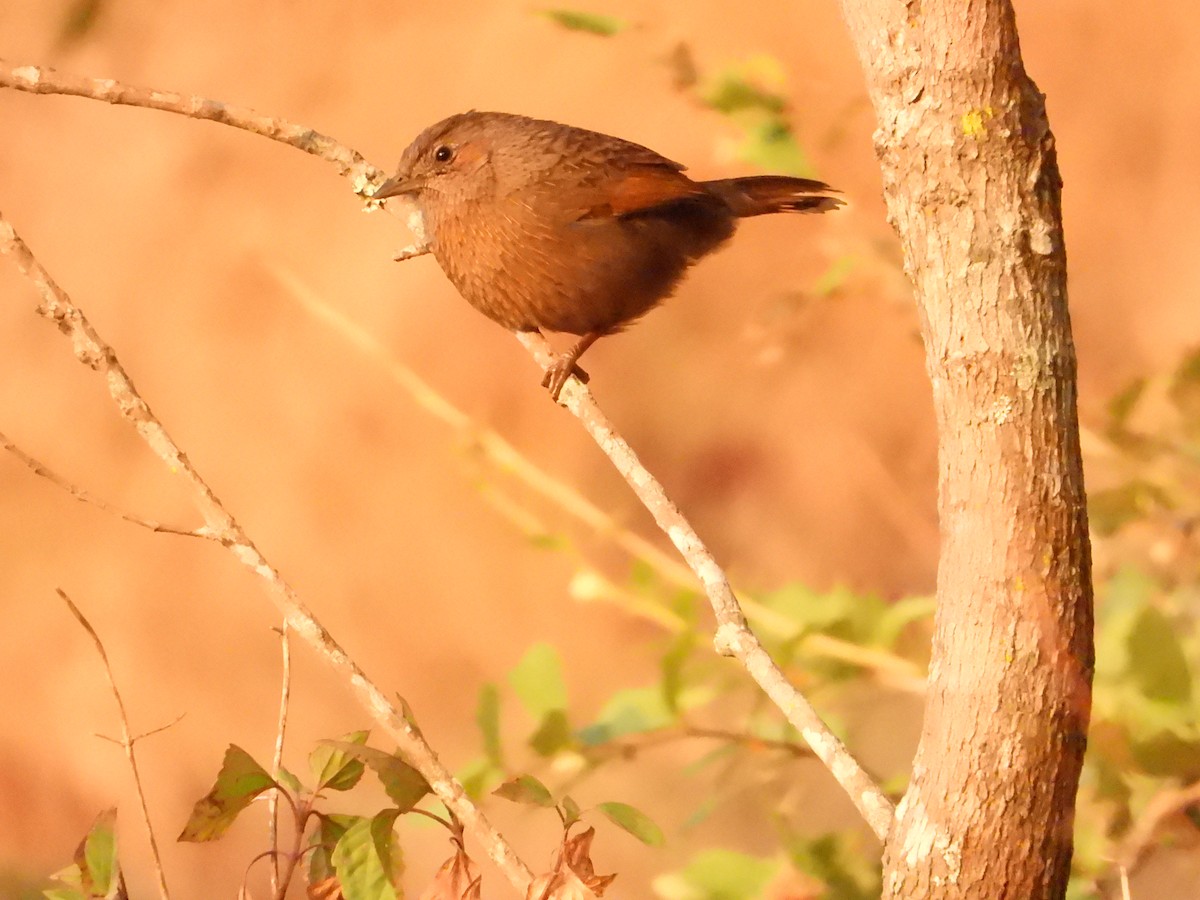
973,190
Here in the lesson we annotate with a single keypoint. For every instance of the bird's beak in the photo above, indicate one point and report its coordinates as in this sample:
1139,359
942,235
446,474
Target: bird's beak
396,186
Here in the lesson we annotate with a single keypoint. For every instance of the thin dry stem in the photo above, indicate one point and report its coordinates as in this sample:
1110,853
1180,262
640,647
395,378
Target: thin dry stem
127,741
93,352
145,734
888,668
733,638
84,496
649,740
285,693
45,80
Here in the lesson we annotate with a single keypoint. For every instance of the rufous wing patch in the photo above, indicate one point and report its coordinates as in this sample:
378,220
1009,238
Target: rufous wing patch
636,190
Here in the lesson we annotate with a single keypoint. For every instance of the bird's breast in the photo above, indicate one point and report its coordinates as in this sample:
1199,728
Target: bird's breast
527,261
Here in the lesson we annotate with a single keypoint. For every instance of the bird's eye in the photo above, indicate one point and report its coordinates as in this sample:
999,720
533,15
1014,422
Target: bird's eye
443,153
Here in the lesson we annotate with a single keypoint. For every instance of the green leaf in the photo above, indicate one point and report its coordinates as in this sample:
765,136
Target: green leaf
289,780
834,277
478,776
1092,847
724,875
96,871
367,859
99,868
1128,588
570,811
69,889
590,23
1185,386
896,618
1122,599
1167,754
1123,404
324,839
487,717
240,780
630,711
552,542
895,785
700,814
634,821
553,734
66,892
719,754
333,767
538,682
674,662
405,786
525,789
1110,509
1081,887
771,144
1157,663
839,612
740,88
839,863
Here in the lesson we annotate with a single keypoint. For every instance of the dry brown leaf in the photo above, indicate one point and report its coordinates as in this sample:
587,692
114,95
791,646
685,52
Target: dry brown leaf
573,876
454,881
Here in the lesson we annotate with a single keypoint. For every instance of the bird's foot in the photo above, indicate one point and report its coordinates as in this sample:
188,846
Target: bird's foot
559,371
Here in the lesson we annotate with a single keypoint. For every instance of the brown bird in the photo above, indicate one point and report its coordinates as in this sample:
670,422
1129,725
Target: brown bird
541,225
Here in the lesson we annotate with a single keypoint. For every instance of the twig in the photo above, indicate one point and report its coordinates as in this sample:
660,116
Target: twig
285,693
677,733
145,734
85,497
45,80
127,741
889,668
93,352
733,638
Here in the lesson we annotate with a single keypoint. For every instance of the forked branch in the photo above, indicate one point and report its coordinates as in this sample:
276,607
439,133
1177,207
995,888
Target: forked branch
93,352
733,638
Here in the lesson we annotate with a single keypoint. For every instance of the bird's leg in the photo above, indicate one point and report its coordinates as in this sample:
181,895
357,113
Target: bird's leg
563,366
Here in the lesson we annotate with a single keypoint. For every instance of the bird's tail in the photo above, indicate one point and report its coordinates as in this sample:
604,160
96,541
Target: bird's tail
758,195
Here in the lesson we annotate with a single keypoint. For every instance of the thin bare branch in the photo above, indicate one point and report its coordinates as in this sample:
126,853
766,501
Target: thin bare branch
285,693
127,741
674,734
45,80
84,496
93,352
890,669
145,734
733,638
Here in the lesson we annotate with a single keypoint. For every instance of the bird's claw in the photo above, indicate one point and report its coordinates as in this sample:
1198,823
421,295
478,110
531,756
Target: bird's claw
558,372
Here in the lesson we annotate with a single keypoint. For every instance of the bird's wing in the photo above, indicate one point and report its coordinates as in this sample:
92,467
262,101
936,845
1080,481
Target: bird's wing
632,190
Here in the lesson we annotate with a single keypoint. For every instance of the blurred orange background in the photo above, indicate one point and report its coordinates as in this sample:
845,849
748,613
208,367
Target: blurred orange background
794,429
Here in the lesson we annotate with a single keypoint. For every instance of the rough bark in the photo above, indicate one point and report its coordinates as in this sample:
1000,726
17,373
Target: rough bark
972,188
